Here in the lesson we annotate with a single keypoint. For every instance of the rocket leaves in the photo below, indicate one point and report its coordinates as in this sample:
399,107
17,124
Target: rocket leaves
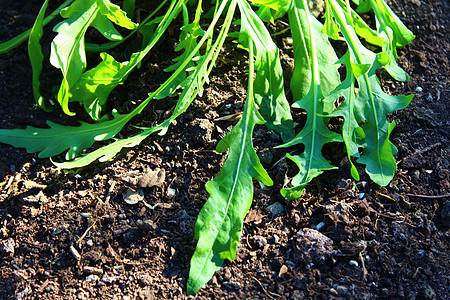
316,87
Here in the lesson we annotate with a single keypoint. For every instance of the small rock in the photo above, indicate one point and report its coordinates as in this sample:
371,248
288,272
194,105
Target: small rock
7,246
342,290
275,209
107,278
75,253
92,278
92,270
312,246
146,225
332,291
353,263
259,241
419,89
133,197
283,270
231,285
384,291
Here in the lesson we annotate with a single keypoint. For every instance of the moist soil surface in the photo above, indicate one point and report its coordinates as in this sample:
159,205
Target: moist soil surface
75,235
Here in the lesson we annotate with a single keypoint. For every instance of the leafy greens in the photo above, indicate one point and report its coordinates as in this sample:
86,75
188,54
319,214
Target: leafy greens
316,87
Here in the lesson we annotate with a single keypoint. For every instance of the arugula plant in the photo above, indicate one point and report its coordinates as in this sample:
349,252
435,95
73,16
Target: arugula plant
316,87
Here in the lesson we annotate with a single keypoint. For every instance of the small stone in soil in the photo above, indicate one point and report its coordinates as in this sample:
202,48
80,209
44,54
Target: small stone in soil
275,209
312,246
259,241
353,263
7,246
92,278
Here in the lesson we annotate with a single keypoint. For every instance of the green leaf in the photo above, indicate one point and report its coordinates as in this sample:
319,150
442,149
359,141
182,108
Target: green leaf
303,36
347,109
115,14
269,84
378,154
95,85
193,85
129,7
394,34
307,39
58,138
36,56
220,222
372,105
278,5
68,48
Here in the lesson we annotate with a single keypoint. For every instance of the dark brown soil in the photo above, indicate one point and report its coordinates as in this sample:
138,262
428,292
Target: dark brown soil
72,236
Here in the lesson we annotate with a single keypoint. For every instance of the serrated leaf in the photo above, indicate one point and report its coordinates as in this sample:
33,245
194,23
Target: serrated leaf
347,109
220,222
378,153
372,105
193,85
68,47
394,34
307,37
35,54
59,138
95,85
269,84
115,14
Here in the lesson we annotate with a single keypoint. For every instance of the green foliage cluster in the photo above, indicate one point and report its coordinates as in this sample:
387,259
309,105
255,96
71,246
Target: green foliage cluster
316,87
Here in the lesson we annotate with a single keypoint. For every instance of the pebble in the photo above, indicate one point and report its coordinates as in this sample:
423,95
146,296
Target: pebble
7,246
109,278
320,226
419,89
312,246
353,263
92,270
275,209
259,241
92,278
146,225
75,253
342,290
231,285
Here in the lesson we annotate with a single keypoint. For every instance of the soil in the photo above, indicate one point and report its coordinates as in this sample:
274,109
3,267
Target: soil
73,236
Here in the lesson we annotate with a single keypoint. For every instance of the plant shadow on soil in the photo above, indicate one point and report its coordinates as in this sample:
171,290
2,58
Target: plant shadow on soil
59,240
